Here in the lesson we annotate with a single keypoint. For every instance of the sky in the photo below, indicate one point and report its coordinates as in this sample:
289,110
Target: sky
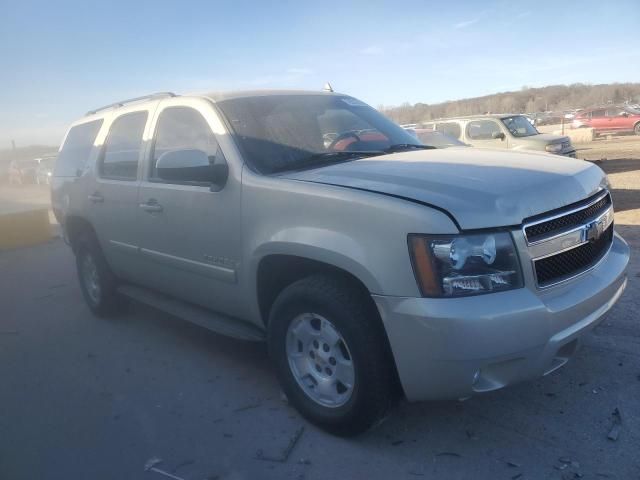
59,59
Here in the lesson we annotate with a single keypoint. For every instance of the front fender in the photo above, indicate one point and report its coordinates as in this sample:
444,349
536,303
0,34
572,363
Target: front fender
322,245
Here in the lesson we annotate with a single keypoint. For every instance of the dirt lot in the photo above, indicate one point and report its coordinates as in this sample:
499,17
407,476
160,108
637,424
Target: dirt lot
619,157
82,397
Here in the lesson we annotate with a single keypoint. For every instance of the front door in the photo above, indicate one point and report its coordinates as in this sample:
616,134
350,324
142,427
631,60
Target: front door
617,119
189,233
599,120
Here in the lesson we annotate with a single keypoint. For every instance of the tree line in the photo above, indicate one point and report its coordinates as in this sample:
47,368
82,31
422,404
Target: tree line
555,98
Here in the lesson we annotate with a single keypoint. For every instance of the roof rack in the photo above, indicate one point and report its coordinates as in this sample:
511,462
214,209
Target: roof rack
122,103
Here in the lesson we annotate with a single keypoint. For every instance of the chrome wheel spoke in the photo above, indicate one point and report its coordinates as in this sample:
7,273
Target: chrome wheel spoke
326,390
304,332
345,373
329,334
301,363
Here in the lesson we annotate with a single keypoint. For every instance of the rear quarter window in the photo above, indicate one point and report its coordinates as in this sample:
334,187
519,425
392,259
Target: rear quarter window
450,128
76,149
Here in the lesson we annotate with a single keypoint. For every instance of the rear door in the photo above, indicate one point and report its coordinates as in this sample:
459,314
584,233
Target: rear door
479,133
189,234
112,193
599,120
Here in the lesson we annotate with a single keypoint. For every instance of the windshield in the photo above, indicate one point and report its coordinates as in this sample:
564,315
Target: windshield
283,132
519,126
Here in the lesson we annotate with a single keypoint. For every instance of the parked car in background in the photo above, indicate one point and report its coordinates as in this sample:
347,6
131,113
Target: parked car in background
609,119
371,266
23,172
45,170
513,132
548,118
434,138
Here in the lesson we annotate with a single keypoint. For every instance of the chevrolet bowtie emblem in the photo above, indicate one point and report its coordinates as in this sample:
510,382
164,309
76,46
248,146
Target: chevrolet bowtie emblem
594,230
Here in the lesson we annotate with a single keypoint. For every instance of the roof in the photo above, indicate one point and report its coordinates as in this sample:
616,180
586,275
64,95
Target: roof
215,96
228,95
475,117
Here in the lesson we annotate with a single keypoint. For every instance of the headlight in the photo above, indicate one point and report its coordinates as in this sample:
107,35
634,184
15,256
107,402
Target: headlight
554,148
457,265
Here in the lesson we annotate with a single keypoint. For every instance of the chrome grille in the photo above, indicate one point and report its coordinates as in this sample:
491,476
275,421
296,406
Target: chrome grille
567,264
571,240
574,216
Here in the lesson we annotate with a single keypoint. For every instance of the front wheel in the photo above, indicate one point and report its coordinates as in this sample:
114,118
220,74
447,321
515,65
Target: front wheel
331,354
636,129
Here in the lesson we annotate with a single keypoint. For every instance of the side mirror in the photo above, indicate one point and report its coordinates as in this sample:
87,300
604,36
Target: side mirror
498,135
192,166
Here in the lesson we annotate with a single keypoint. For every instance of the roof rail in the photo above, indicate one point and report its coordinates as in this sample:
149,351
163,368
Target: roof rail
122,103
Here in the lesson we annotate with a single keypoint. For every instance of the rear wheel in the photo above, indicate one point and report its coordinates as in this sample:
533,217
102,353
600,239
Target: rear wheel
636,129
97,281
330,354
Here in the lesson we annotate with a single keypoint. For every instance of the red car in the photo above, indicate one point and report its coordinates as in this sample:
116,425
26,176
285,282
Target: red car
609,119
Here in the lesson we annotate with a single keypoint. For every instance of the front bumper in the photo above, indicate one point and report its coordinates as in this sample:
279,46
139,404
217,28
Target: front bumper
455,347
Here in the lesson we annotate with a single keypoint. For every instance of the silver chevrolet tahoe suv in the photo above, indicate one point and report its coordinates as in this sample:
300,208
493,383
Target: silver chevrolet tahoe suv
372,265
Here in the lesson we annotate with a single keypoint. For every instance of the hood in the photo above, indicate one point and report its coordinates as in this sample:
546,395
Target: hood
479,188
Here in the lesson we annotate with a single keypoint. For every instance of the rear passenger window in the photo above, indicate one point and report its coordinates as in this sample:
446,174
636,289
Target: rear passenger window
482,129
597,114
122,147
77,147
450,128
182,128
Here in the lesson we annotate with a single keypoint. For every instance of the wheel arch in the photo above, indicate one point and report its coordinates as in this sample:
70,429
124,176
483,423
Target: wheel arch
276,271
77,227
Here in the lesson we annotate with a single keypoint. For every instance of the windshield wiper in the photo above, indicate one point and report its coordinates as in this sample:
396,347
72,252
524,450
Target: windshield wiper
327,158
400,147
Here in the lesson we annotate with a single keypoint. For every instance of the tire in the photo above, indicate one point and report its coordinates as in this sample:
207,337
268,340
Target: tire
336,313
636,128
97,281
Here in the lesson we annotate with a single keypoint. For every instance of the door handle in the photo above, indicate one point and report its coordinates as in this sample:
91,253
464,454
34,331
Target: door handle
96,198
152,206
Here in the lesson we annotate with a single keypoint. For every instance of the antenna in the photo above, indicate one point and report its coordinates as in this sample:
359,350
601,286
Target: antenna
327,87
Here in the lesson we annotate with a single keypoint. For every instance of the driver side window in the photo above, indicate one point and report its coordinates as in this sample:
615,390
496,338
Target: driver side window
181,128
342,129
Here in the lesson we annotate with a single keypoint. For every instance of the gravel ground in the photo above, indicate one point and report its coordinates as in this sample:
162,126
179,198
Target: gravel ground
82,397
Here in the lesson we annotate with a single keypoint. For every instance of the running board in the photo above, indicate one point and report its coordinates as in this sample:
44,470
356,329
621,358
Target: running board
219,323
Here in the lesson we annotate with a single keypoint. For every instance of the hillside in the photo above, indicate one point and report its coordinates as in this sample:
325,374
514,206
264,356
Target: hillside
527,100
